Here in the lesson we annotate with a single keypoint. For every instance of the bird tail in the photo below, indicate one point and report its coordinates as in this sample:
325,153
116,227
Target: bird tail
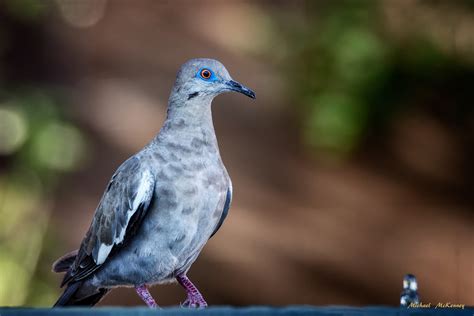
64,263
76,294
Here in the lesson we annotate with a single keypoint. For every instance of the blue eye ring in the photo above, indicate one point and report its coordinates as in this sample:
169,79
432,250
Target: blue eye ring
206,74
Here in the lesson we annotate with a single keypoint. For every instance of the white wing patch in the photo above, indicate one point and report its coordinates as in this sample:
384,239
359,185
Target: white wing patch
144,193
104,251
144,190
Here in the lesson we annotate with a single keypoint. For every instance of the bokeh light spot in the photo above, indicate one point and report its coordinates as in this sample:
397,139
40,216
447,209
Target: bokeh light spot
335,123
82,13
59,146
13,130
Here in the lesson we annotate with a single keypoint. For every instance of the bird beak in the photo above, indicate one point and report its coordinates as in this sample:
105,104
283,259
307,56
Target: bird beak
237,87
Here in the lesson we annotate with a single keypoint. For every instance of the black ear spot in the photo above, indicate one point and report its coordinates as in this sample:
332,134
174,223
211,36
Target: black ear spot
192,95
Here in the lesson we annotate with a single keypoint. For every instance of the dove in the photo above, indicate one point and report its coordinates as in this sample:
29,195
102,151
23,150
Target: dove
162,204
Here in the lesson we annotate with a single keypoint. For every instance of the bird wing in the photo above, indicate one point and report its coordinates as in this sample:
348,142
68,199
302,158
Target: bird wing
116,219
228,200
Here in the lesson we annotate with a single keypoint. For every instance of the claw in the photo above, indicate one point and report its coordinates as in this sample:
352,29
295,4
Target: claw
194,301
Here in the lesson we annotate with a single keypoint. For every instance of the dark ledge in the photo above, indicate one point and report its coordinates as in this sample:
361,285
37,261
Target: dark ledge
231,311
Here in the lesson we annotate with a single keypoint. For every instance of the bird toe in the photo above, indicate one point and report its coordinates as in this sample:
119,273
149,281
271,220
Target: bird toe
194,302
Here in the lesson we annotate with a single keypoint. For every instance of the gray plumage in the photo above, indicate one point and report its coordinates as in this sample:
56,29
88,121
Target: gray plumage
162,204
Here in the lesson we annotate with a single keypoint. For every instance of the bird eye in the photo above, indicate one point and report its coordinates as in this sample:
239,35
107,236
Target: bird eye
206,74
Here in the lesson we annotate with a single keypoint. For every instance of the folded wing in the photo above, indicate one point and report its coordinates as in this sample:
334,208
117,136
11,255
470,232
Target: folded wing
118,216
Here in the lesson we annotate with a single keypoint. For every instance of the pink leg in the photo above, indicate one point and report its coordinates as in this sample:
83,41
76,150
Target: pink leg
195,298
142,291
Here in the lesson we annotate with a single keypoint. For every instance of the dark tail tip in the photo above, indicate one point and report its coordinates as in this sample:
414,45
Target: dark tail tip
66,299
70,297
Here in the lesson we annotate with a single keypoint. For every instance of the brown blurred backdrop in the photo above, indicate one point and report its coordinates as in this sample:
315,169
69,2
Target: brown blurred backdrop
353,167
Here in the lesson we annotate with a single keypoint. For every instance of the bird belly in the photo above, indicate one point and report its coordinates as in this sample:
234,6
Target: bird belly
190,226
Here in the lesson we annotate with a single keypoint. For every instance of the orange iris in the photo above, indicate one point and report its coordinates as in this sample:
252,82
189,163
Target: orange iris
206,74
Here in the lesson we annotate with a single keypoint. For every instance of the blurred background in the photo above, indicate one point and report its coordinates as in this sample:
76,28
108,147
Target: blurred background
353,167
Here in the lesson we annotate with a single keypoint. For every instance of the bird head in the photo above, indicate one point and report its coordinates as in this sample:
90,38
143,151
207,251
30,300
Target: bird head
203,79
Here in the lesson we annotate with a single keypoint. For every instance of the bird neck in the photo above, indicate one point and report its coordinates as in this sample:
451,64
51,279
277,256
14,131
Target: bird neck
194,112
188,120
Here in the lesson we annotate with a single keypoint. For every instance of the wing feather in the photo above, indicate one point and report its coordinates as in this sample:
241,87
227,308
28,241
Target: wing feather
116,219
227,202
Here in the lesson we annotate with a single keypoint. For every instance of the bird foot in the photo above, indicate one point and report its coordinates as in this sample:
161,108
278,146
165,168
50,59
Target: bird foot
194,301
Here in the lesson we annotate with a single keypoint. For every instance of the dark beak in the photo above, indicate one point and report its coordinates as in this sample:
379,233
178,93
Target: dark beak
237,87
